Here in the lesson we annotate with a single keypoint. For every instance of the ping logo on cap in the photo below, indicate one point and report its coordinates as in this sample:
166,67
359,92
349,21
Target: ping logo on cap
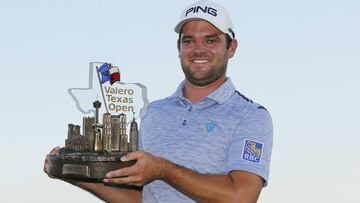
198,9
252,151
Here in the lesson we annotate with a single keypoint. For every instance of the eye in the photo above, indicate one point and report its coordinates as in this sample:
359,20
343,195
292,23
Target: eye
187,41
211,41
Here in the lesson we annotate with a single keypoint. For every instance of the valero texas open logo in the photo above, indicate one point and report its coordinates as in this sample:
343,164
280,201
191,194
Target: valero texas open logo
105,83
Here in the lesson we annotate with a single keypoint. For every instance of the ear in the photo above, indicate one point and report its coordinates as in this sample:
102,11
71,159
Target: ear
178,44
232,48
178,47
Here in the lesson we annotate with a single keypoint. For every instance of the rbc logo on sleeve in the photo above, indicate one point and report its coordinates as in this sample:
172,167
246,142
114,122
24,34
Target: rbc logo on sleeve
252,151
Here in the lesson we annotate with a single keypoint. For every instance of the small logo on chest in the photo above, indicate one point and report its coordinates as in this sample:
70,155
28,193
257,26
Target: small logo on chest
210,127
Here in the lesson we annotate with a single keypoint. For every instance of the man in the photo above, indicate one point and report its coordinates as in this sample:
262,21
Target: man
206,142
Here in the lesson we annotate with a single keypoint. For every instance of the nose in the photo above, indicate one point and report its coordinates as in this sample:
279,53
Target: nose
199,47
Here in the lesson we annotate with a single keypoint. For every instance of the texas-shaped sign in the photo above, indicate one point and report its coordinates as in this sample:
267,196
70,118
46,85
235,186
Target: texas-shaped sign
106,86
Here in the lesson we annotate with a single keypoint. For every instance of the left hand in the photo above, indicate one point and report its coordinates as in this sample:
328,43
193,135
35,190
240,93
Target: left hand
146,169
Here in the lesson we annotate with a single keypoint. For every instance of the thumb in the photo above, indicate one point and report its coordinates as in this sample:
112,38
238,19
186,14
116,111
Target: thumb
131,156
54,150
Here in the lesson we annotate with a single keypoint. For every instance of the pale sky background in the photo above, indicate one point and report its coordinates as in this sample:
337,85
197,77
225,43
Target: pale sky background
300,59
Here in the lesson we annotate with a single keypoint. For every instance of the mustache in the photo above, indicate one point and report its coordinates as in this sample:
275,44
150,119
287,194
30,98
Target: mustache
200,55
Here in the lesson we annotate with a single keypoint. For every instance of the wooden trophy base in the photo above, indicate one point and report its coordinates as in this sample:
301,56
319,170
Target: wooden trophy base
85,166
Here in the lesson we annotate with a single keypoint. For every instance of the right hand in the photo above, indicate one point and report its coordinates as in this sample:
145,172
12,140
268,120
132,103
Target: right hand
108,194
46,163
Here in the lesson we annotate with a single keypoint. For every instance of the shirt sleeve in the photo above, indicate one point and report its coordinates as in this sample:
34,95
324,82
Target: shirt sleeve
251,144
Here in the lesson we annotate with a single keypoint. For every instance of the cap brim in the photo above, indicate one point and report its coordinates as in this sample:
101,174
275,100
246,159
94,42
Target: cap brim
179,26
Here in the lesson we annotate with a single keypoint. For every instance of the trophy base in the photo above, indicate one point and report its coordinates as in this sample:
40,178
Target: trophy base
85,166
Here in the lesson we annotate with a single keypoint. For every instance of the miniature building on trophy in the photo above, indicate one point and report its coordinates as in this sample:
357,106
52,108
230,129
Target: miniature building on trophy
88,129
123,135
134,134
76,141
115,132
106,132
111,136
98,144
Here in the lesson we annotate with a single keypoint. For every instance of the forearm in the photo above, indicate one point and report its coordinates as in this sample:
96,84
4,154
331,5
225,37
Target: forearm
110,194
237,186
202,188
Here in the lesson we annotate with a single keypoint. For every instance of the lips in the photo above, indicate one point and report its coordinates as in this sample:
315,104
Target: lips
200,61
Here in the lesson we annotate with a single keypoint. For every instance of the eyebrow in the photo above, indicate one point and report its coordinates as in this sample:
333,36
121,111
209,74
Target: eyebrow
207,36
213,35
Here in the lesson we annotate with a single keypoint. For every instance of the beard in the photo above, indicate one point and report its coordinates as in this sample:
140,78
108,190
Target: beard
204,78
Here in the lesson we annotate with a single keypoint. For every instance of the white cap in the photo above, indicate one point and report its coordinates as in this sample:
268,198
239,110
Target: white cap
209,11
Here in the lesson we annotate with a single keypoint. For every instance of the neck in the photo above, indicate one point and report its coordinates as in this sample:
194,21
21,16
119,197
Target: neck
196,93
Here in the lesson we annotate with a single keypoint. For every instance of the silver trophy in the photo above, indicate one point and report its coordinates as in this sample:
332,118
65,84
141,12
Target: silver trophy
106,135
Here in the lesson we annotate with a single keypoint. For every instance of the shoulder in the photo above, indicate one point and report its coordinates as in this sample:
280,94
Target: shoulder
245,101
253,120
245,108
161,103
161,107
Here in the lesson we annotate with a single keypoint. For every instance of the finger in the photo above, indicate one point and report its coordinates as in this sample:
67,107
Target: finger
122,180
55,150
123,172
52,152
136,184
132,156
46,162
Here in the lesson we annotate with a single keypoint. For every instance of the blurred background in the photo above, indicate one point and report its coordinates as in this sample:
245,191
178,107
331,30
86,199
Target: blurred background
300,59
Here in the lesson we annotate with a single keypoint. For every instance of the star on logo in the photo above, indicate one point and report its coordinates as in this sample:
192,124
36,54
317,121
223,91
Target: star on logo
117,97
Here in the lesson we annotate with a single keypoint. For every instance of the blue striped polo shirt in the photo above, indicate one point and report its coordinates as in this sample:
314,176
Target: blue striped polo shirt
223,132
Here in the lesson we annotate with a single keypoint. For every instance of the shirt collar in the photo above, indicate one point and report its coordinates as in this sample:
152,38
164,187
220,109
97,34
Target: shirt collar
179,91
220,95
223,93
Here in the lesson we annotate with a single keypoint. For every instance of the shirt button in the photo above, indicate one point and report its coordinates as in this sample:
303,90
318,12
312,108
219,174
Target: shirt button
190,108
184,122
